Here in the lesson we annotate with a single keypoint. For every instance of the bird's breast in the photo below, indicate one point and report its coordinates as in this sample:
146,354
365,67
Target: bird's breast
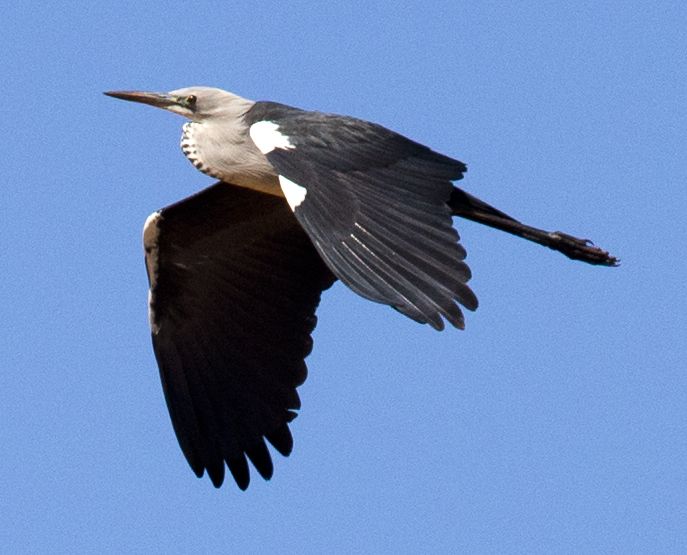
230,155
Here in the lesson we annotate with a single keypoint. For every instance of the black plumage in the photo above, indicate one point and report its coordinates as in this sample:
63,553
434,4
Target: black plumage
233,302
377,210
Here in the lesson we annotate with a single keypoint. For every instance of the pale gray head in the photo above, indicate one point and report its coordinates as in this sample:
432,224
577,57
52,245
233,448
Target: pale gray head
216,140
194,103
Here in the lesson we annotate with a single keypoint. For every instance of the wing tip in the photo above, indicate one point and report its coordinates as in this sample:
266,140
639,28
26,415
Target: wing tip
281,439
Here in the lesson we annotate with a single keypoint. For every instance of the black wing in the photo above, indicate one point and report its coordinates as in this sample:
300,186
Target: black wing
234,287
375,206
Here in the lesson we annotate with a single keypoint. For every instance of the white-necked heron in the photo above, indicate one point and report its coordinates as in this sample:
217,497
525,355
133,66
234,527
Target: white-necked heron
236,271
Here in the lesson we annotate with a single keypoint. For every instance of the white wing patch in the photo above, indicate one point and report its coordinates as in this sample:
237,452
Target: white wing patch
151,232
266,136
294,193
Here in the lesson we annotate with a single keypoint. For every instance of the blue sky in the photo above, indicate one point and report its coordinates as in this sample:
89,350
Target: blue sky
557,422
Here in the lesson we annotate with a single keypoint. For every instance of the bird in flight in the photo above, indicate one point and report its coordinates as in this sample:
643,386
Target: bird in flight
236,271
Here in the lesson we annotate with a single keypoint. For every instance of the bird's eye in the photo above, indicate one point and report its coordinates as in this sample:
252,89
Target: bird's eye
191,100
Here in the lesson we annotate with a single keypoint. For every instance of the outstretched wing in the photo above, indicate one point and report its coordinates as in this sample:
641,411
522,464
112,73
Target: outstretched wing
234,284
374,204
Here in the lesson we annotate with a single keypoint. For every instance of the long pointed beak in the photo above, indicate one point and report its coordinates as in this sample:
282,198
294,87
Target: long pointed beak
159,100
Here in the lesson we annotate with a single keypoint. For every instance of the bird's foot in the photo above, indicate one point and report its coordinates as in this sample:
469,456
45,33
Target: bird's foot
581,249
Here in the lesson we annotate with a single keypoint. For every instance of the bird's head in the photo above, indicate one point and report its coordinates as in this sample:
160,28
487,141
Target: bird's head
194,103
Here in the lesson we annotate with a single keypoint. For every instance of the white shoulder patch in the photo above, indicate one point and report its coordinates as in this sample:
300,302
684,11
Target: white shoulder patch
294,193
266,136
